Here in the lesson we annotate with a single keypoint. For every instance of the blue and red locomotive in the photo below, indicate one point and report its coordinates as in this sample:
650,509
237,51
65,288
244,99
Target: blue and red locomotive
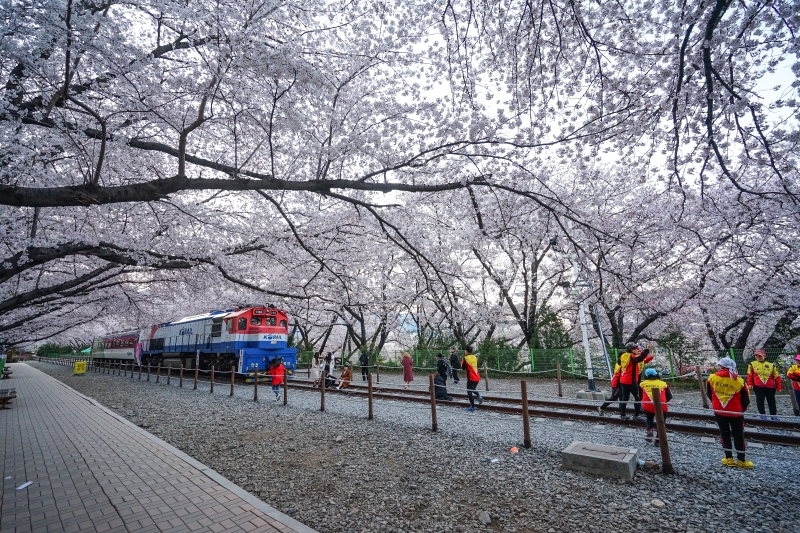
245,339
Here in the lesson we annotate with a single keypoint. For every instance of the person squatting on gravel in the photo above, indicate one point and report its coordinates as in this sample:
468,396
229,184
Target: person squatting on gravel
441,388
764,379
345,377
364,360
648,386
276,370
470,364
615,391
455,364
629,362
794,375
729,398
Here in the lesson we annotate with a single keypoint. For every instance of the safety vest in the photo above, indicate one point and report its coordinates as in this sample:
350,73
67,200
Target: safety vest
629,373
615,379
471,362
792,374
762,375
647,394
726,393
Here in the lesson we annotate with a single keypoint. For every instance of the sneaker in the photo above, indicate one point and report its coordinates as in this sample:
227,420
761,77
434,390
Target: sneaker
624,417
728,461
774,418
763,417
277,398
480,400
649,435
600,411
655,442
471,409
637,417
745,464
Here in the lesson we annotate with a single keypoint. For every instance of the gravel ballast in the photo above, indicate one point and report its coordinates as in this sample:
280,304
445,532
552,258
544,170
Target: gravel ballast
337,471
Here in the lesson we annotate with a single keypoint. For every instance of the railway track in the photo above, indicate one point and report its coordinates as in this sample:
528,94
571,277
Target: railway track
576,412
760,431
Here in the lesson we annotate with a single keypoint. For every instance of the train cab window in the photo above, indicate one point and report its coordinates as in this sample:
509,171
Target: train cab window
243,323
229,325
271,321
283,323
255,321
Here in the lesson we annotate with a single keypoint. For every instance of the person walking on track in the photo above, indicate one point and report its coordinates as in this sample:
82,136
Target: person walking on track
470,364
764,379
615,391
364,360
729,397
629,362
648,388
408,371
455,364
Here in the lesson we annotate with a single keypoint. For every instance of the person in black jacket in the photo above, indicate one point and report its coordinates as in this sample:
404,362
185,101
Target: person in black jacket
455,364
364,360
441,367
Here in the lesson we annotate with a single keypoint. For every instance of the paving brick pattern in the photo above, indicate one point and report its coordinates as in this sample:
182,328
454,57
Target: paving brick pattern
92,472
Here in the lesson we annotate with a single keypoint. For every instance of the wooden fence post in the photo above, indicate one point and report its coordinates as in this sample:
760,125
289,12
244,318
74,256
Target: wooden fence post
140,370
322,391
434,423
233,375
526,425
196,371
369,394
148,371
125,371
702,386
378,371
169,373
180,380
255,386
486,373
158,373
666,461
558,376
212,380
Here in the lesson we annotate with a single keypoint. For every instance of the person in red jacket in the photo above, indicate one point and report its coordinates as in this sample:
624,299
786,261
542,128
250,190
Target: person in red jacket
276,371
763,378
794,375
614,391
729,398
629,362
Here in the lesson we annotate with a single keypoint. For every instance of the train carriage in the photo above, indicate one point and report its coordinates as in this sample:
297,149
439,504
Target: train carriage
245,339
117,346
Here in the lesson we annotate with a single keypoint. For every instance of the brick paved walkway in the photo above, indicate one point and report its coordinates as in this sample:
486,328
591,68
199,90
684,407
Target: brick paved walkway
94,471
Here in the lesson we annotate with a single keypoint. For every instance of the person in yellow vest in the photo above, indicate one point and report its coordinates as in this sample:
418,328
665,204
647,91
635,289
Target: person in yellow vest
648,386
729,398
794,375
470,364
764,379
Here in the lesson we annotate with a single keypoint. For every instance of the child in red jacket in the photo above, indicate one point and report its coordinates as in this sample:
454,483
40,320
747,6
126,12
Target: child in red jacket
276,371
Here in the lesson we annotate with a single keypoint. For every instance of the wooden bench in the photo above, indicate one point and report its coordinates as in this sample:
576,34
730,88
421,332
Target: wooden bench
6,373
6,395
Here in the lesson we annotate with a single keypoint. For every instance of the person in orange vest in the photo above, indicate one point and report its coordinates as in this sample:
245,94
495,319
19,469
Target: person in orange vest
470,364
794,375
276,371
647,387
629,377
764,379
729,397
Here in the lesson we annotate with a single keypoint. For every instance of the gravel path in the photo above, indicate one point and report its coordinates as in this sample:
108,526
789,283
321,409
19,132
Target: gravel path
337,471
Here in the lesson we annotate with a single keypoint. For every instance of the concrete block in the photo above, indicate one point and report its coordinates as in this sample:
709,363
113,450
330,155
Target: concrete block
707,440
755,445
600,460
568,423
591,395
